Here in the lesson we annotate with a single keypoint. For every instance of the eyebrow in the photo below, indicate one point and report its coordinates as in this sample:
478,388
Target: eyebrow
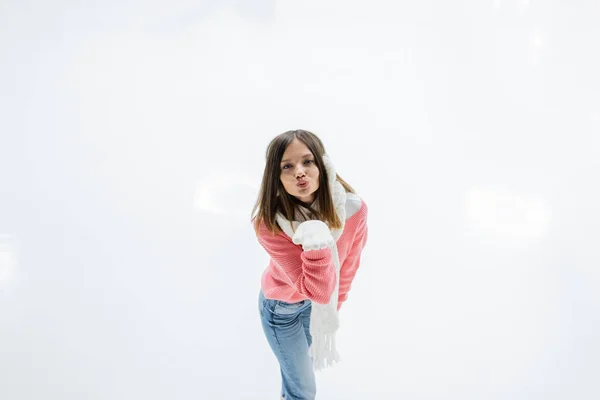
304,156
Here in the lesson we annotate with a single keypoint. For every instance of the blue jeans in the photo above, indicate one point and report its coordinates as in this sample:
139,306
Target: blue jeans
286,326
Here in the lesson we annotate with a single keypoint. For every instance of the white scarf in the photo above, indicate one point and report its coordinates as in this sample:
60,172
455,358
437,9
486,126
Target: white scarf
324,320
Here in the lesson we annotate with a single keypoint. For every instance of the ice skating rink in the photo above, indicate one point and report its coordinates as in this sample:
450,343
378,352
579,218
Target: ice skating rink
132,141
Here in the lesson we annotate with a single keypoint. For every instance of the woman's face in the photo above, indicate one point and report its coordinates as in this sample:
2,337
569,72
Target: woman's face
299,172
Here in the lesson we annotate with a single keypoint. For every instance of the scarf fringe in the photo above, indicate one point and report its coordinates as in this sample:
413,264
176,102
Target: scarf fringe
323,352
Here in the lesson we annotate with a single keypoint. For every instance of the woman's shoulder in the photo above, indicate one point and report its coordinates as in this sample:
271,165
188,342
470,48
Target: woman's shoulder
354,205
262,230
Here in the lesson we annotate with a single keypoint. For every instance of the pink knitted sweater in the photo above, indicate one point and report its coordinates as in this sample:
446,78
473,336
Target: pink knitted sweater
294,275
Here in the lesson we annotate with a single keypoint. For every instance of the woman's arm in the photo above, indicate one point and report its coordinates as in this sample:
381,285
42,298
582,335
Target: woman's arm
352,261
311,272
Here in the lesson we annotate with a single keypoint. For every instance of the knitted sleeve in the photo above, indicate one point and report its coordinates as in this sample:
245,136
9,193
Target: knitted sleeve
352,261
311,273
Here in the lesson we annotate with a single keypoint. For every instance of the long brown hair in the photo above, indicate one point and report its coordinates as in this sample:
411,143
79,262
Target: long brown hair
273,198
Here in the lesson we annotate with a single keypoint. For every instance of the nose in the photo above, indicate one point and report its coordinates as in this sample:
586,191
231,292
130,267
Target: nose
300,172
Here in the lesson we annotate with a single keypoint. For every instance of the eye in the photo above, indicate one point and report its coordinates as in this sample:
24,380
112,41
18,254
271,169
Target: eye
286,166
309,161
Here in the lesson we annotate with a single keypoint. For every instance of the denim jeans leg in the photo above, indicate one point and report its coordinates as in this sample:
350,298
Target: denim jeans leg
305,318
285,327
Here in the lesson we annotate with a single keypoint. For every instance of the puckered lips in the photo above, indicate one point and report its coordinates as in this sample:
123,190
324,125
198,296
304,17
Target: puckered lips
302,184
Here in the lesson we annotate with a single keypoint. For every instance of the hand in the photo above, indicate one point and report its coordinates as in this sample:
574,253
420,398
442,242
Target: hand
313,235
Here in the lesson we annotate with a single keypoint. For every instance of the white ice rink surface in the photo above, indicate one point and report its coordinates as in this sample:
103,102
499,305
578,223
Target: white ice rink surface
132,140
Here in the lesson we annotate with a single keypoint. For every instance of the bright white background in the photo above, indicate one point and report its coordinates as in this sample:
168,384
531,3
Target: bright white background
132,140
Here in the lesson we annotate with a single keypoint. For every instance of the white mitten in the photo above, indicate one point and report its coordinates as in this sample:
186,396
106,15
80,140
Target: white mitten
313,235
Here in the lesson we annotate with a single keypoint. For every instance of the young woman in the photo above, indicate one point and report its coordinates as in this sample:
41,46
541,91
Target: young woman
314,227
